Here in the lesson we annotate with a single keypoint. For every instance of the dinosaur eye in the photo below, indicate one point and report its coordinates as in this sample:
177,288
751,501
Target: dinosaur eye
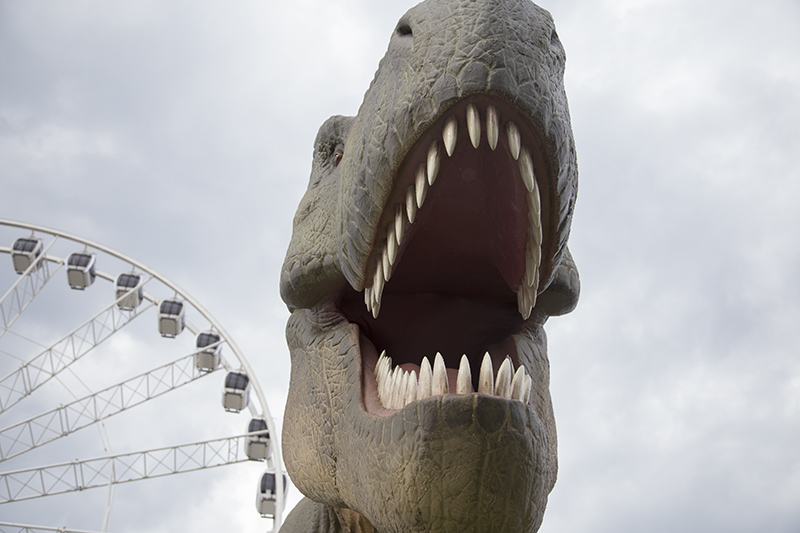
337,158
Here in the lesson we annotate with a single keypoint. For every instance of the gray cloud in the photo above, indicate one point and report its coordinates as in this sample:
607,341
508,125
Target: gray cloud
181,135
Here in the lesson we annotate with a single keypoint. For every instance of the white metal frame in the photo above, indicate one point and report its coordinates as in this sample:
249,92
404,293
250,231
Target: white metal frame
74,476
26,435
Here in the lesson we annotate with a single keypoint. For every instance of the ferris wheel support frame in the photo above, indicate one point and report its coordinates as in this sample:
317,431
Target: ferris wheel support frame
256,386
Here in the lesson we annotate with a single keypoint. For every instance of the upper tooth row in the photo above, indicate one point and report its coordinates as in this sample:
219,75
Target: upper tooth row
424,177
397,387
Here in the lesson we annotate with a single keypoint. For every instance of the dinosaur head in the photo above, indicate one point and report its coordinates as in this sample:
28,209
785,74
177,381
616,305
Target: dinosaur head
426,256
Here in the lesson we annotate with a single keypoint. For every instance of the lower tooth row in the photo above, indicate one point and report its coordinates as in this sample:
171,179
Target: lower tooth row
397,387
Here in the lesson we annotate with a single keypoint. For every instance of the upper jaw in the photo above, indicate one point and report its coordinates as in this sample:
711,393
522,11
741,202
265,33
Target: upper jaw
485,127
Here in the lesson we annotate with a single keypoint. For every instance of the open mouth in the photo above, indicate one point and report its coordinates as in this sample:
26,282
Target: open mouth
456,268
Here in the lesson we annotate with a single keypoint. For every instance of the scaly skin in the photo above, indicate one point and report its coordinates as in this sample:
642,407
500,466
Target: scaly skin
460,461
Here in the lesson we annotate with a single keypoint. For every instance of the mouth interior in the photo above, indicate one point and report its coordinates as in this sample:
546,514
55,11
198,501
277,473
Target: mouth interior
453,286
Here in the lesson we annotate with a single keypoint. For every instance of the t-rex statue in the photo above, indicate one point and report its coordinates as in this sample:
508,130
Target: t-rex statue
427,254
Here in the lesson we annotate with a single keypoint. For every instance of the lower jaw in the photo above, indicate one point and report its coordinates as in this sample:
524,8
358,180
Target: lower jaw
481,463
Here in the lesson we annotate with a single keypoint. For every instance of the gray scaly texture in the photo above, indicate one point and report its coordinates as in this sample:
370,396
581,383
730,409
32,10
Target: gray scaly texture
436,220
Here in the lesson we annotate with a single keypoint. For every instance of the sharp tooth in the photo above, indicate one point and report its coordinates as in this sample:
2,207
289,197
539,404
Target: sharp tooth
391,245
526,169
390,390
382,376
513,139
399,224
450,134
517,384
377,290
525,301
411,205
388,376
492,126
474,125
433,162
368,298
486,379
464,380
439,385
421,186
411,388
425,379
526,389
394,384
502,386
535,206
400,396
386,266
533,258
533,252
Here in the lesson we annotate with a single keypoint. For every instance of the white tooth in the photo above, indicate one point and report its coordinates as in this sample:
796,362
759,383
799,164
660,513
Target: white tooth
421,186
389,404
525,302
533,258
382,374
386,266
486,379
399,224
400,392
433,162
411,204
535,205
411,389
439,385
526,396
388,377
533,250
397,378
450,134
391,245
492,126
513,139
425,379
526,169
502,386
517,384
474,125
368,298
377,291
464,380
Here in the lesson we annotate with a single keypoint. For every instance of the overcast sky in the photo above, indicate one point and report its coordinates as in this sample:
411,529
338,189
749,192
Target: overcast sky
180,133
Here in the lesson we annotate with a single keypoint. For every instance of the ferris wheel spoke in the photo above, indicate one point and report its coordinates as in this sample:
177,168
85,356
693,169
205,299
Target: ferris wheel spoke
27,286
124,468
33,374
44,428
7,527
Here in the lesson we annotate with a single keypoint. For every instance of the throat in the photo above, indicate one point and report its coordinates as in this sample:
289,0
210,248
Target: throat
413,325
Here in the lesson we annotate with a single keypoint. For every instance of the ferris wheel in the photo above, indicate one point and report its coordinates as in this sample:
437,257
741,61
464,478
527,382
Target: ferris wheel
75,356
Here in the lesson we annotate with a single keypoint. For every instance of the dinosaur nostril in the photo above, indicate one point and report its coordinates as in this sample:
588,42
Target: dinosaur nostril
403,29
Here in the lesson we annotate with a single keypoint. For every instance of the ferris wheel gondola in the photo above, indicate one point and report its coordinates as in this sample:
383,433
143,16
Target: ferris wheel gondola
36,258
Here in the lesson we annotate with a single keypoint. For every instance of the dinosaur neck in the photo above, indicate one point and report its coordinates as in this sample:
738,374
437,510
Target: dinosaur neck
353,522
